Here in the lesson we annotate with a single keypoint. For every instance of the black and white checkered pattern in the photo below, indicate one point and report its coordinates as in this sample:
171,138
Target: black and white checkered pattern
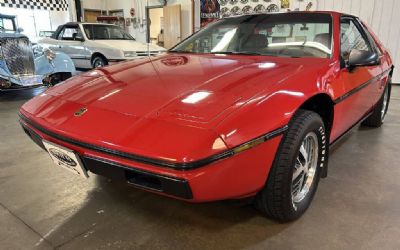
52,5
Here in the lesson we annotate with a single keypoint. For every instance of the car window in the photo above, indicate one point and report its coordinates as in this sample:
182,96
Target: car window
6,24
371,39
105,32
69,33
282,35
351,38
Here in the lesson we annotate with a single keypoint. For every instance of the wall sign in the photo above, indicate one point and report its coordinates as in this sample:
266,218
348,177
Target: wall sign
52,5
209,11
212,10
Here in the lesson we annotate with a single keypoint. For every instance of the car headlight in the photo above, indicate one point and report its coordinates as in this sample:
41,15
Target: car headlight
49,54
130,53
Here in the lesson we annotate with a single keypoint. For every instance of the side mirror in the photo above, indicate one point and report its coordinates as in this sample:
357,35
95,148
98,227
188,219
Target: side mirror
359,58
20,30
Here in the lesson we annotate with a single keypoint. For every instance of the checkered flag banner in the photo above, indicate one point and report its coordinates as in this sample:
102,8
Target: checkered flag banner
52,5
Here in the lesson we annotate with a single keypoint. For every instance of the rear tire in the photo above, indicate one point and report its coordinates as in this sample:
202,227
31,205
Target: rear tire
378,115
293,180
99,62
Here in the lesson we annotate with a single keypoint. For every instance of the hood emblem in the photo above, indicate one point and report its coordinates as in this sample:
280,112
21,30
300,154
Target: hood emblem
80,112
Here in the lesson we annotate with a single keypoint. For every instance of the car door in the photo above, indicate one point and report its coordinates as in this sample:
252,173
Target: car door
358,83
378,86
71,41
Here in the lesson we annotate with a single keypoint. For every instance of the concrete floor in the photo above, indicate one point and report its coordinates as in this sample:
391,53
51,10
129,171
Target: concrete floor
44,207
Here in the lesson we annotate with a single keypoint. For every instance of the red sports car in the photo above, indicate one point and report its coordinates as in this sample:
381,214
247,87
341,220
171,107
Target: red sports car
248,106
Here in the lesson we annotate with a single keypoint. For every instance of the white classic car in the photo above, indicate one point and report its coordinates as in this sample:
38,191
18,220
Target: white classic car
92,45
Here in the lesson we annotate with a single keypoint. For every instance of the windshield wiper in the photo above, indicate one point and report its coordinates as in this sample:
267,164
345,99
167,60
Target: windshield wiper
182,51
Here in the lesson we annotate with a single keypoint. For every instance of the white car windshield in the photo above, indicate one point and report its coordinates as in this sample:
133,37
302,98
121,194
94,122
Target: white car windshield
105,32
282,35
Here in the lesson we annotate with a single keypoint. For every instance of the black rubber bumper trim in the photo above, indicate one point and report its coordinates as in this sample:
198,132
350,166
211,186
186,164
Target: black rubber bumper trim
143,179
152,161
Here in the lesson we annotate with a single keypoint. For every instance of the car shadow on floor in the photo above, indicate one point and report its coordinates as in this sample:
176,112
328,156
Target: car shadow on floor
20,95
116,212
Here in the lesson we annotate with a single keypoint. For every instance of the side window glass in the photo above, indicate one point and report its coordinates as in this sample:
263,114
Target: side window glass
60,35
373,42
70,33
351,38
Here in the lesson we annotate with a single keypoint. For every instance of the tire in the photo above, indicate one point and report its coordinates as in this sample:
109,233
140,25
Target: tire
378,115
279,199
59,77
99,61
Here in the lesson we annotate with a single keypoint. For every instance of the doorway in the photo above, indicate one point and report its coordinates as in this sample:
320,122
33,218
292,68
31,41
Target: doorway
164,25
155,25
91,15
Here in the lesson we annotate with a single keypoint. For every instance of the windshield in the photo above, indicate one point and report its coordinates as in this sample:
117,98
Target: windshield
282,35
7,24
105,32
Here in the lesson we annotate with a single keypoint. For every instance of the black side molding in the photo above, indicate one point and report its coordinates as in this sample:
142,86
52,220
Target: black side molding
356,89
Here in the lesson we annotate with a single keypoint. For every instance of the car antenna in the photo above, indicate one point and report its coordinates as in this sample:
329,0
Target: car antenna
148,30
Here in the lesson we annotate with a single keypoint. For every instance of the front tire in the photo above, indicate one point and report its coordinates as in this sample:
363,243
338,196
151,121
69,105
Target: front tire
99,62
58,77
294,176
378,115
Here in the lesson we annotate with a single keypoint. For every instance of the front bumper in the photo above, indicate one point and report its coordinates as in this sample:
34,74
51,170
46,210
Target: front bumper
20,82
237,176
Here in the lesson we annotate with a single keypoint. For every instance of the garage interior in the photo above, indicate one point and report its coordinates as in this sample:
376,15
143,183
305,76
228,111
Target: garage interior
43,207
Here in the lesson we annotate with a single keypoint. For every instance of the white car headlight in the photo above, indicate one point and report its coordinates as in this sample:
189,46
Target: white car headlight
130,53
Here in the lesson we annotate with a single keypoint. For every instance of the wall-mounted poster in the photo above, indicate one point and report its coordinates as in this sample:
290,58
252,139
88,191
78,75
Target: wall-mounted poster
285,4
209,11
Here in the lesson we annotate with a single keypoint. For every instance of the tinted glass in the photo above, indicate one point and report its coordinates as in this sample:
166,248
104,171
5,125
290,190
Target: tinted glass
351,38
105,32
283,35
69,33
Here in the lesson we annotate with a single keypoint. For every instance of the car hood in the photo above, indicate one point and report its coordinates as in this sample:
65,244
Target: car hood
129,45
175,87
144,105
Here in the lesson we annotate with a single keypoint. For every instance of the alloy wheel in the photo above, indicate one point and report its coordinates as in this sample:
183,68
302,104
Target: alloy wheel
384,103
305,167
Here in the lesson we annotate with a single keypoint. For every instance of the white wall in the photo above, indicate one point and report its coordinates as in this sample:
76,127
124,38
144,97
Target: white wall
382,15
96,4
33,20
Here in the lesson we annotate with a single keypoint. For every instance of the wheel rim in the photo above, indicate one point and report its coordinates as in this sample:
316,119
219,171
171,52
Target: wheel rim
305,167
384,104
98,63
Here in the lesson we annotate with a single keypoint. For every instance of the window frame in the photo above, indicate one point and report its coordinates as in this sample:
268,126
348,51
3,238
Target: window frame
367,37
61,33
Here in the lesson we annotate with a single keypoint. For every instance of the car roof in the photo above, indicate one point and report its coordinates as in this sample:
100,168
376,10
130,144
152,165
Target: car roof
7,16
333,13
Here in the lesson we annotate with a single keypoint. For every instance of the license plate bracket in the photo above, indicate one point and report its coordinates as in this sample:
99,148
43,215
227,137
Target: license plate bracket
66,158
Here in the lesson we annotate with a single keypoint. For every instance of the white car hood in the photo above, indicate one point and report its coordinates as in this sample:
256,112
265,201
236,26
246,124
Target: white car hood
128,45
